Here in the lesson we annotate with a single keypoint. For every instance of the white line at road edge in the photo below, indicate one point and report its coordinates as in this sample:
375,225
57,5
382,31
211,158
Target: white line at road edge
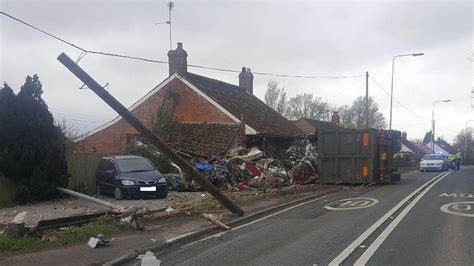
381,238
254,221
344,254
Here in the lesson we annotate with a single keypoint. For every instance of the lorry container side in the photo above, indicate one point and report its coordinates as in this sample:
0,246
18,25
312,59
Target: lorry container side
351,156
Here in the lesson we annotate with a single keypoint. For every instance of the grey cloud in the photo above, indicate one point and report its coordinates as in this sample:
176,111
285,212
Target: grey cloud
309,38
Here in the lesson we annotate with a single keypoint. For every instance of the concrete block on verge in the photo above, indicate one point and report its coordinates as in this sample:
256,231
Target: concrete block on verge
30,220
16,229
19,217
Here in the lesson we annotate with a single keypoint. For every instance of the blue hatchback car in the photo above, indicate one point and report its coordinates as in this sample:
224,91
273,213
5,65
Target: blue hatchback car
130,176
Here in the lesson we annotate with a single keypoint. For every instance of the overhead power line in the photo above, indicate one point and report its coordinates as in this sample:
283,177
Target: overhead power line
397,101
86,51
406,108
357,83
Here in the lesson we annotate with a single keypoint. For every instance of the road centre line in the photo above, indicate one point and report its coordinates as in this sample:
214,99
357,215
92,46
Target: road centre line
365,257
356,243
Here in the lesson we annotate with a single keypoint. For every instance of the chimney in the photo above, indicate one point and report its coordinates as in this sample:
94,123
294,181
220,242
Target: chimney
246,80
404,135
336,119
177,61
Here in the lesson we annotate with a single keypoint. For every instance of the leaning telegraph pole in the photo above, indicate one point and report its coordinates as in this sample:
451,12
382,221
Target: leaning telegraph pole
367,99
149,135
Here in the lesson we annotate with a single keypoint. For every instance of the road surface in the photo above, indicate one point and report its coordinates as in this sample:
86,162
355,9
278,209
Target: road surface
426,219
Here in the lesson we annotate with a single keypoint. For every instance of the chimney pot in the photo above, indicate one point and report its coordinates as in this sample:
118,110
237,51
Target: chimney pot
246,80
177,61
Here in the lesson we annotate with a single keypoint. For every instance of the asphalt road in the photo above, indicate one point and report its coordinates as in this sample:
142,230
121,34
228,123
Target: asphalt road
426,219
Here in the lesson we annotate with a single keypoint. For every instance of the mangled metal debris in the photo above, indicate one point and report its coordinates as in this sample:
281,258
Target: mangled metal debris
246,169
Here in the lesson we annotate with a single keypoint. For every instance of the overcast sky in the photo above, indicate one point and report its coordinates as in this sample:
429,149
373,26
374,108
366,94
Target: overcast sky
297,38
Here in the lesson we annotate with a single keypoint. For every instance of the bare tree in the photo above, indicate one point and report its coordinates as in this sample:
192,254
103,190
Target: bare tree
346,116
464,142
307,106
70,132
354,116
275,97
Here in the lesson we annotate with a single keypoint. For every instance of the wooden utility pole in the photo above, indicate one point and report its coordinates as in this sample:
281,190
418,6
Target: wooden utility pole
367,99
151,137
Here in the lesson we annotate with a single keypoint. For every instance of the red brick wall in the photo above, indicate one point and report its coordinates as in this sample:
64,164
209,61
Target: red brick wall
190,107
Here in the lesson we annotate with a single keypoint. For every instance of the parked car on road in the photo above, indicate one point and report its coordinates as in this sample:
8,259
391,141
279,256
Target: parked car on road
437,162
129,176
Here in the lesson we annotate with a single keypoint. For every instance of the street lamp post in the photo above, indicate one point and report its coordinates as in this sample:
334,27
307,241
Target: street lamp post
391,88
433,123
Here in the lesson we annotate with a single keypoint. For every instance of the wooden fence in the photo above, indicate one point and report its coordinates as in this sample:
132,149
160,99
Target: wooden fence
82,171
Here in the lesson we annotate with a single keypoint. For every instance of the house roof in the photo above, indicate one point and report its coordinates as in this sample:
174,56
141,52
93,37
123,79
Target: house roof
200,139
423,147
413,147
318,124
241,104
232,100
445,146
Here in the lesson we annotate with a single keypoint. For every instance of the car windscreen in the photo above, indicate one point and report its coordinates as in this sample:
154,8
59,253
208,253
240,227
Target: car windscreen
433,157
134,165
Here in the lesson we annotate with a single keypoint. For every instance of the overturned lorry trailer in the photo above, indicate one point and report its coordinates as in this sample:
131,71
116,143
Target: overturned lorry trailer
351,156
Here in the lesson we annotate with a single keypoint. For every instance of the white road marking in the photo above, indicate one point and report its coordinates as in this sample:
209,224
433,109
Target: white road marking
253,222
352,204
365,257
455,195
346,252
458,208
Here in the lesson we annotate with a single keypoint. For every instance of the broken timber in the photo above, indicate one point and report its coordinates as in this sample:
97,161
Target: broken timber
151,137
215,221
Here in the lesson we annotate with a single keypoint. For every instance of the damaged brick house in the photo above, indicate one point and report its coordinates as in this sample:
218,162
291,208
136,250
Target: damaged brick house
197,115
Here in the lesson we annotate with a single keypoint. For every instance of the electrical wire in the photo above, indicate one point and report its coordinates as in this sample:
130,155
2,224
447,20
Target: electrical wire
397,101
359,83
406,108
86,51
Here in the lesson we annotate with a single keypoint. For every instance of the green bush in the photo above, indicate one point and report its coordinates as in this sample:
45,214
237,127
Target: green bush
31,146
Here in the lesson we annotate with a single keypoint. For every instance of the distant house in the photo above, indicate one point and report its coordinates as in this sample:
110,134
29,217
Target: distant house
423,148
408,146
187,99
441,146
311,126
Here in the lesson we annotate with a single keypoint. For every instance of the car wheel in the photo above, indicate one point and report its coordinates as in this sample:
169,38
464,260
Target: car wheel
118,193
98,190
422,170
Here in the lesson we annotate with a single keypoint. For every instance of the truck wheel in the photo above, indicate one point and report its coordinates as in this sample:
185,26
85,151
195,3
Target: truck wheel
118,193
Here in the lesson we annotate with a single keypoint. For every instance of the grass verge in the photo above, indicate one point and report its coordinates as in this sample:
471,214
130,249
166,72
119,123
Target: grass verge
59,238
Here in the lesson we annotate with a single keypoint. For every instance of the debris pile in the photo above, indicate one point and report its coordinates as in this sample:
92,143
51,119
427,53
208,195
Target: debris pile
244,169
